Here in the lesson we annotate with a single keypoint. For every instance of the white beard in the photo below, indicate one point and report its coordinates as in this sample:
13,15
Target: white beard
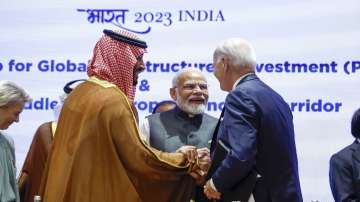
190,108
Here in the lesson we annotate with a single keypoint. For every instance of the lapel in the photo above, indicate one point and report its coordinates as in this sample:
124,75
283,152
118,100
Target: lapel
214,137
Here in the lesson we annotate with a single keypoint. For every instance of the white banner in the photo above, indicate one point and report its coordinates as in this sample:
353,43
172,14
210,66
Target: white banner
307,50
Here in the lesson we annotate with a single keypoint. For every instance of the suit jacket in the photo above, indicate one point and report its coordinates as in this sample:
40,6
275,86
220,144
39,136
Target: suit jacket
258,130
344,174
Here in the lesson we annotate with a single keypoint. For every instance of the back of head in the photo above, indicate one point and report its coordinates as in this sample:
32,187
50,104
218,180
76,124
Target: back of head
355,124
164,106
69,86
239,52
11,93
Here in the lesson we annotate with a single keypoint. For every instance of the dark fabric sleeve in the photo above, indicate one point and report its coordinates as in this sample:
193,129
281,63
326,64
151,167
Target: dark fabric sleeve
239,127
340,176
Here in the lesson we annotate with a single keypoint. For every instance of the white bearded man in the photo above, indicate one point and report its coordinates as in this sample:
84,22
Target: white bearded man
186,126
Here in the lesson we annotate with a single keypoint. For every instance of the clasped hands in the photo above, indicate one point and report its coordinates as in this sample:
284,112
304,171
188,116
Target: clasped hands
200,158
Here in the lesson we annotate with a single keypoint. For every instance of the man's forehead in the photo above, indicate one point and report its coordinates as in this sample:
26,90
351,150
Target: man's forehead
191,77
195,81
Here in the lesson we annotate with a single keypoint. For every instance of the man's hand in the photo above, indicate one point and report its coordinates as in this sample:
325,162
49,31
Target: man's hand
210,192
201,168
204,160
203,152
190,153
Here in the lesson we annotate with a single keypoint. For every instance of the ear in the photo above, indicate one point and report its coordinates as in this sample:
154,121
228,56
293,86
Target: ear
173,93
225,62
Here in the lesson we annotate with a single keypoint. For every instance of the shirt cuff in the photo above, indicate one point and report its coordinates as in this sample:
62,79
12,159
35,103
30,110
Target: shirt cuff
212,184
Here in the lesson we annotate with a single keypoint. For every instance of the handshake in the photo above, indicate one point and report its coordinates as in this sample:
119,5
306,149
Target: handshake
200,161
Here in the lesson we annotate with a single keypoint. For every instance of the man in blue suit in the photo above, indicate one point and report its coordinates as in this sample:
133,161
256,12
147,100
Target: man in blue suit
256,131
345,167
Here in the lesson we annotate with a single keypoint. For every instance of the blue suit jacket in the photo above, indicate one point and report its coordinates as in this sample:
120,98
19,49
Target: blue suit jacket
258,129
344,174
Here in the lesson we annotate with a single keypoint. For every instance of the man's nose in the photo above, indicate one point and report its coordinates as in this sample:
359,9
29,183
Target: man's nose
197,89
141,67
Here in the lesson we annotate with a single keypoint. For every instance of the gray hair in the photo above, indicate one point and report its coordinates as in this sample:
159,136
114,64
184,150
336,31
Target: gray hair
10,93
183,71
239,51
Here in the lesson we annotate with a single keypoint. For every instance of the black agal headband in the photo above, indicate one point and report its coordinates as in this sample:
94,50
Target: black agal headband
125,39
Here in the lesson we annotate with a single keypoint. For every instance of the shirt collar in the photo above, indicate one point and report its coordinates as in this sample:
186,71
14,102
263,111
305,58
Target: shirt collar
241,78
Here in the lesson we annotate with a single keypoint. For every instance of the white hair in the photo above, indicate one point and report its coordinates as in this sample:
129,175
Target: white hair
183,71
239,51
10,93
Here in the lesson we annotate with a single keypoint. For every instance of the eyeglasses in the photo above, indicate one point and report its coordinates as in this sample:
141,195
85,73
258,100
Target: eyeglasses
192,86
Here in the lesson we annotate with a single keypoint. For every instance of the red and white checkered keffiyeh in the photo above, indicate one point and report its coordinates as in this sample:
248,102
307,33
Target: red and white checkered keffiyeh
114,62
